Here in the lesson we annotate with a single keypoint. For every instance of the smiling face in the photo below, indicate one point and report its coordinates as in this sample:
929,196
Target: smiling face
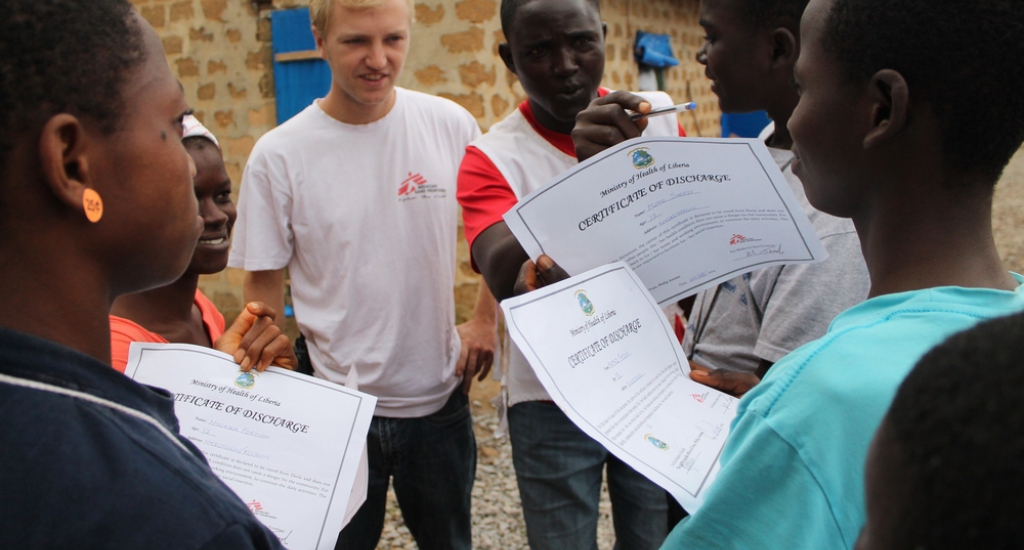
213,191
144,176
734,56
366,49
556,48
828,125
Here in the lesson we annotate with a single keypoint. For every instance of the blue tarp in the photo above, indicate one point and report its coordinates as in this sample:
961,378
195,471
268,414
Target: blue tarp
654,50
296,83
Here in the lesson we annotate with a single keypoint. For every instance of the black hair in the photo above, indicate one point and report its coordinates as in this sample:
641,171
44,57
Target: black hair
197,143
762,13
962,58
63,56
510,7
958,427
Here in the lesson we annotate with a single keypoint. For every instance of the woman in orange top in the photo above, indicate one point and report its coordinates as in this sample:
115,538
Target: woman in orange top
179,312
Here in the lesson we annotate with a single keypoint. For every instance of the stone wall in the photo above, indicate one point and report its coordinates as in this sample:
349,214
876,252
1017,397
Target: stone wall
221,51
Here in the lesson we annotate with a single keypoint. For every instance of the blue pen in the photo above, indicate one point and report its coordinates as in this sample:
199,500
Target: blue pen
665,110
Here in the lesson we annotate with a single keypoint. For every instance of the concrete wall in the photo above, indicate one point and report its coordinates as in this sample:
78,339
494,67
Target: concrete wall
221,51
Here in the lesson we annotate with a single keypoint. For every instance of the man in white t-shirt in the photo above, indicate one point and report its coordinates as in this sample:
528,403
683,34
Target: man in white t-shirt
556,48
355,195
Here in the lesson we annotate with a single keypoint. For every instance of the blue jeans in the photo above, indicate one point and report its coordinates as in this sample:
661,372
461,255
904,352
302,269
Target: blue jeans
433,462
559,468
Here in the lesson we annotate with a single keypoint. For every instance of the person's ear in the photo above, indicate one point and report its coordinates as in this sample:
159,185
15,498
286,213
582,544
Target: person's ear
505,51
65,164
889,98
319,40
604,30
785,48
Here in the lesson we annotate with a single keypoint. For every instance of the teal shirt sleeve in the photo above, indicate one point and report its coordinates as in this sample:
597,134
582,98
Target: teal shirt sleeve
764,497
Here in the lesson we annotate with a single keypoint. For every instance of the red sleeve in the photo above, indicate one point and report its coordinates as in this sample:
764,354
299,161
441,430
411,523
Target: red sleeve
484,194
122,333
682,132
212,318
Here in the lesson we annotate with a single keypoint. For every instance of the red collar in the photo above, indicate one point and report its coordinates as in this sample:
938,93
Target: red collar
562,142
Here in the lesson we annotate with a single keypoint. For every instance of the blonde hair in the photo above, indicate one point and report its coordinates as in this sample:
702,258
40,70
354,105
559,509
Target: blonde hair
320,10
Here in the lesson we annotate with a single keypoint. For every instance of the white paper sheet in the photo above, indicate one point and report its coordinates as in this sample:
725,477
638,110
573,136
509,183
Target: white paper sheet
288,444
604,351
684,213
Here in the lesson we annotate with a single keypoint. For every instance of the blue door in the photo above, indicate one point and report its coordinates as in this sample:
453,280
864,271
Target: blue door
300,76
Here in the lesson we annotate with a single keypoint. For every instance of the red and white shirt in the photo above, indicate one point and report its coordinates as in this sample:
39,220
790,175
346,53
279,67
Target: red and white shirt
514,158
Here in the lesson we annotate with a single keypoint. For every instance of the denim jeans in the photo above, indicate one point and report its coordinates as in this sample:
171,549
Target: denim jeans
433,462
559,468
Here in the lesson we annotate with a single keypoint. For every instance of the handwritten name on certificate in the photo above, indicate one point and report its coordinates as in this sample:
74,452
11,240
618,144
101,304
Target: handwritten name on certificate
684,213
289,445
606,354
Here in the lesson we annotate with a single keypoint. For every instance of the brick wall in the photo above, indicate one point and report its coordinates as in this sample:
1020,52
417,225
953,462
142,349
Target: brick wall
221,51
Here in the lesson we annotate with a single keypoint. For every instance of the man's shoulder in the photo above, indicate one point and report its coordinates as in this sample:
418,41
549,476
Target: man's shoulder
508,130
867,352
293,135
432,106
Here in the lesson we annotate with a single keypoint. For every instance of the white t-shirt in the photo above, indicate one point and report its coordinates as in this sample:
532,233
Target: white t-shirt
524,160
768,313
365,217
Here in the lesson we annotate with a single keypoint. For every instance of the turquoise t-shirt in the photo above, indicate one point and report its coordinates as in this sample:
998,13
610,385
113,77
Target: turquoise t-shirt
792,472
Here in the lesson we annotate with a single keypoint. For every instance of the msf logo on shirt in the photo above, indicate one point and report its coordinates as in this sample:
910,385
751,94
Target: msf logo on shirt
416,186
411,184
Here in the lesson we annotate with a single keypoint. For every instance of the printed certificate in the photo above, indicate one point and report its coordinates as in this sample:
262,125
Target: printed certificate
288,444
606,354
684,213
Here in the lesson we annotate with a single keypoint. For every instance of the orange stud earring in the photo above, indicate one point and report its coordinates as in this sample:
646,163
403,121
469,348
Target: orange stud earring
93,205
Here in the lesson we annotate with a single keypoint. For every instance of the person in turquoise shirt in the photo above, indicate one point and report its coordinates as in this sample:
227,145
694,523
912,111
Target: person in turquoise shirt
882,135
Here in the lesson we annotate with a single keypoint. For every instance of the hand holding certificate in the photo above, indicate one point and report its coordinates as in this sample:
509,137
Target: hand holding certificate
684,213
288,444
604,351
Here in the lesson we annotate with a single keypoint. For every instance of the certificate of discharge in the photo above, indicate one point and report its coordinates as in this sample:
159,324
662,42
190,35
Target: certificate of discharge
288,444
684,213
606,354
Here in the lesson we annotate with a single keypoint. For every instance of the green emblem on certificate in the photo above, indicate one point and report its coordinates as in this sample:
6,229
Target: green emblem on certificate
641,158
585,304
246,380
656,442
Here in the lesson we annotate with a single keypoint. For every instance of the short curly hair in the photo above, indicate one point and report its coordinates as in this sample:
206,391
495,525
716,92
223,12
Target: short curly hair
954,437
762,13
510,7
964,59
63,56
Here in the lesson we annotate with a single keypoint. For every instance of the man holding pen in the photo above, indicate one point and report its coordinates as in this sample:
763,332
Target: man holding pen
556,48
356,196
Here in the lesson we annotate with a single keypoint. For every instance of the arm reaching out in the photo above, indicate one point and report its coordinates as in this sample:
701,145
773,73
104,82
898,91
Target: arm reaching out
255,341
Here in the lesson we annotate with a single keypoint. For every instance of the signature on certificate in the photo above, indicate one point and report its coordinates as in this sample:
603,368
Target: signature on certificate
763,250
